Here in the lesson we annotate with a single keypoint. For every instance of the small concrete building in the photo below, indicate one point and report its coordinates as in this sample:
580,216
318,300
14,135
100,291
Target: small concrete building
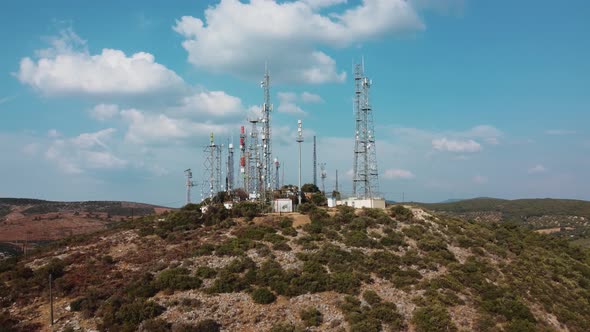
282,205
331,202
358,203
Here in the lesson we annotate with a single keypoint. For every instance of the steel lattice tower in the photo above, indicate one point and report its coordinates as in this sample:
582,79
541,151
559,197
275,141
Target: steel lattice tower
213,166
267,161
230,168
243,154
365,183
254,165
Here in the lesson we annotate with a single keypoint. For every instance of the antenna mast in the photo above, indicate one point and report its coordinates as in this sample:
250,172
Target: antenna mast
365,183
189,184
323,176
267,161
243,154
315,163
299,140
230,168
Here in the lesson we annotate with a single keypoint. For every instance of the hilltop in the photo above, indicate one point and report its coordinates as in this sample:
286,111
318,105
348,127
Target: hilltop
403,269
34,221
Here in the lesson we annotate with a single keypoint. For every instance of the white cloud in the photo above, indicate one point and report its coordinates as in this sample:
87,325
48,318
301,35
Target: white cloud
560,132
392,174
299,29
464,146
211,103
31,149
480,179
68,68
145,128
104,112
53,133
537,169
85,151
310,98
287,104
487,133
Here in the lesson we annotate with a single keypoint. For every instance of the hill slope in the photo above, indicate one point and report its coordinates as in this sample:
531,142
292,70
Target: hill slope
370,271
566,218
34,221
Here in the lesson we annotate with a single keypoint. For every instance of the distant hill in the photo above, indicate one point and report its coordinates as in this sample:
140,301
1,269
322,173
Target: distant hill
34,220
565,217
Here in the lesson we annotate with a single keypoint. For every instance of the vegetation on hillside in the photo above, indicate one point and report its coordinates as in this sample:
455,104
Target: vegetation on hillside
382,270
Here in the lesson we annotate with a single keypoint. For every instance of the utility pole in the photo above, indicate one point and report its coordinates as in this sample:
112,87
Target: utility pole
315,163
299,140
50,300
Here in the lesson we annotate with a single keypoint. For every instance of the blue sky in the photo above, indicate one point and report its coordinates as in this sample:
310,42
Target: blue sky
111,100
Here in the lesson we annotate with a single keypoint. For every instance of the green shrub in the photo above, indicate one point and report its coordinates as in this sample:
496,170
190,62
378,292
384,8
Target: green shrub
228,283
433,318
289,231
345,282
207,325
205,250
283,246
205,272
263,296
155,325
371,297
248,210
138,311
177,279
306,208
401,213
311,316
366,325
286,222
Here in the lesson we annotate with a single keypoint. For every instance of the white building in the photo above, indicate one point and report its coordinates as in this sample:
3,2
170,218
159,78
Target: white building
282,205
358,203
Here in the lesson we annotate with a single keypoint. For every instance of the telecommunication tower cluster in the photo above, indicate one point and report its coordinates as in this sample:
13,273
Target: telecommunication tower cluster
212,167
365,182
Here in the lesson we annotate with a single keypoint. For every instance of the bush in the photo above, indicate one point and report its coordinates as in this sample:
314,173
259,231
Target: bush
311,316
434,318
138,311
155,325
401,213
205,272
177,279
371,297
306,208
286,222
263,296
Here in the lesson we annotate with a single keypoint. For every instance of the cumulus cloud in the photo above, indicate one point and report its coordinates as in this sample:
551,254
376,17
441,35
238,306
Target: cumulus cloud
85,151
450,145
210,103
145,128
311,98
288,105
537,169
393,174
104,112
68,68
298,30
